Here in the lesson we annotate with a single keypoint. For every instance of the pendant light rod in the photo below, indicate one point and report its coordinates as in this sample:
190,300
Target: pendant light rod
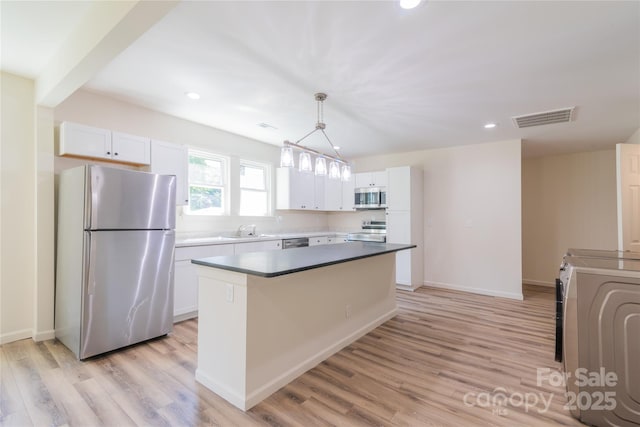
320,126
311,150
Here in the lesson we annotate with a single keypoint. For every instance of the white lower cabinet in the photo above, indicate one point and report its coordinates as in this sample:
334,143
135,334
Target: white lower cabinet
269,245
320,240
336,239
185,284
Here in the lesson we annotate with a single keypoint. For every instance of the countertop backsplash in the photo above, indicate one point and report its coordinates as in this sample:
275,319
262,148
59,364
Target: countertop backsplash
190,226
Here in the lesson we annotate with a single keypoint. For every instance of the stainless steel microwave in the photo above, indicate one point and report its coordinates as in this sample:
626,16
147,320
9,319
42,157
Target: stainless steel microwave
370,198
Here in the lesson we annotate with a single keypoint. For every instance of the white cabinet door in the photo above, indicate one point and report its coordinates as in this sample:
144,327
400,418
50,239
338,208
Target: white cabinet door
371,179
185,292
172,159
130,148
379,178
269,245
399,189
362,179
302,190
403,268
399,231
84,141
348,195
294,189
398,227
336,240
319,192
185,282
333,195
315,241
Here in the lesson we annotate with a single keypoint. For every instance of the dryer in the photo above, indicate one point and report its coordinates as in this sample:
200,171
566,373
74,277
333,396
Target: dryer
601,339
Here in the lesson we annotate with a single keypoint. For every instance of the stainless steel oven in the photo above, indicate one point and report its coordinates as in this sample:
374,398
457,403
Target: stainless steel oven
372,231
370,198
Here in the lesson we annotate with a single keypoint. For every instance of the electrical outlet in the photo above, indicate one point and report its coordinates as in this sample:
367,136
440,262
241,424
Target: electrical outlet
347,311
229,292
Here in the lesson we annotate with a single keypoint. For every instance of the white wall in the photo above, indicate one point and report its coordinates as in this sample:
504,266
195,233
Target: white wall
635,138
17,208
95,110
567,201
472,209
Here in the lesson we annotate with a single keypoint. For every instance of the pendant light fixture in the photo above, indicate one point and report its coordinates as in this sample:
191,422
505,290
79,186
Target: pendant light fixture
338,167
321,166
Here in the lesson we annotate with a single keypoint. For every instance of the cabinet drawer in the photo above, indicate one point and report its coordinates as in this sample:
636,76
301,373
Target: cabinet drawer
194,252
314,241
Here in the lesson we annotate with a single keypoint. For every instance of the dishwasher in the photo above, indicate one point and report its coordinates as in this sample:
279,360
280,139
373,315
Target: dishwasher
298,242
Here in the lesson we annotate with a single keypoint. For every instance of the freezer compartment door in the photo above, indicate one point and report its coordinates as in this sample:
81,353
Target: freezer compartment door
119,199
128,290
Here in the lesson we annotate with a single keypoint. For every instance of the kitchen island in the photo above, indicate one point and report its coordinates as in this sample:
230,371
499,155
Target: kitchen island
267,317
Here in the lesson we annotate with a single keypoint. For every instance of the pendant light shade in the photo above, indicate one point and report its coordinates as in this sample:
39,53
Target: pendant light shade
286,157
334,170
304,164
346,172
321,166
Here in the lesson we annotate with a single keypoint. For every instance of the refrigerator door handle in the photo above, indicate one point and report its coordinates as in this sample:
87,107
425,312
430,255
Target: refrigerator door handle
90,266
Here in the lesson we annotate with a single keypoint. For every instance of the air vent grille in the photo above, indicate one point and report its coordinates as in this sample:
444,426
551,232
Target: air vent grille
544,118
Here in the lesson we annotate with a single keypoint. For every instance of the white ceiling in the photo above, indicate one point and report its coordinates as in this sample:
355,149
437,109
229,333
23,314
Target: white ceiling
396,80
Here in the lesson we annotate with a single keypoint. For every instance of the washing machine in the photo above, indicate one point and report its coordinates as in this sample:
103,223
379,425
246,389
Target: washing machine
601,339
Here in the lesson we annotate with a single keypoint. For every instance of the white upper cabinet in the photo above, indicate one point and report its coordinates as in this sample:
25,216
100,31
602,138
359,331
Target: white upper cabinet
348,195
333,195
130,148
172,159
294,189
399,189
371,179
306,191
319,192
339,195
87,141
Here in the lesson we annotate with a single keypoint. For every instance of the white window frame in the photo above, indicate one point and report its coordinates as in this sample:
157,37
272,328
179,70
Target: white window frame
226,164
267,185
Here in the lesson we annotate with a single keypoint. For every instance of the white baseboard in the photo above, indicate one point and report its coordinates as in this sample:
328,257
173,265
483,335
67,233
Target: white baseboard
410,288
185,316
538,283
15,336
221,390
480,291
294,372
44,335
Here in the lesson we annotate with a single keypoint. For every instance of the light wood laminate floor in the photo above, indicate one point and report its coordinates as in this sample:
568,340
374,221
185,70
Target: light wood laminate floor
415,370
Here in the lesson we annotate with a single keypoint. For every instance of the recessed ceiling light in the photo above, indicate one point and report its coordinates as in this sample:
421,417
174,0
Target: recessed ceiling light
336,147
490,125
409,4
192,95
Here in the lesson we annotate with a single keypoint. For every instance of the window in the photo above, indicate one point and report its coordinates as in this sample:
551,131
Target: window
254,188
207,183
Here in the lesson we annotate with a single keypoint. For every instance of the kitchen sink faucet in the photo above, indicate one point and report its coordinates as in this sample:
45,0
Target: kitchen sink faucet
247,230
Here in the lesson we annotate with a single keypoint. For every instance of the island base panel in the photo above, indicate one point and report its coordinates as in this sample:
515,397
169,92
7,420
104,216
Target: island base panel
257,334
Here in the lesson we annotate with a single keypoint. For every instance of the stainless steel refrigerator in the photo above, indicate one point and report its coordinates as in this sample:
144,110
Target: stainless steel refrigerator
115,255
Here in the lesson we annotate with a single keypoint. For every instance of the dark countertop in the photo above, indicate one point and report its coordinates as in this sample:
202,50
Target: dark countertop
287,261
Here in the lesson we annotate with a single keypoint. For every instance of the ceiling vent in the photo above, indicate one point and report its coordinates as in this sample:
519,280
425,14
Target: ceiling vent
544,118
